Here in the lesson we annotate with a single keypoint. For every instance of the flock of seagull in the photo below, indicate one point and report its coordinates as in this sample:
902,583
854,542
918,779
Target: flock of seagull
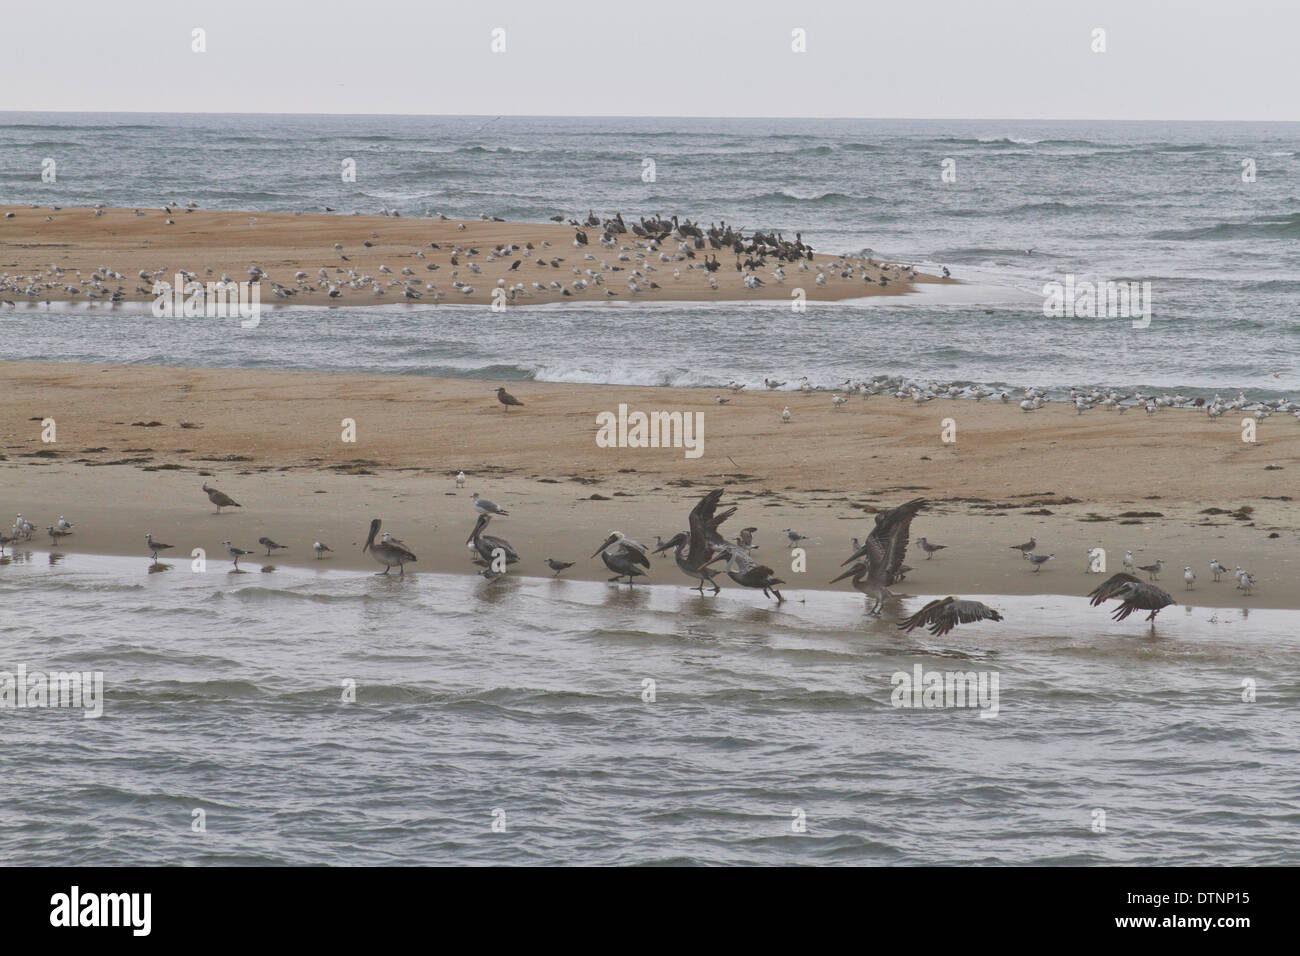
875,565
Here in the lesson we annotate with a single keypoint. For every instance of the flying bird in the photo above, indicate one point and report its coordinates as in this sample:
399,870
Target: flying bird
943,614
1134,595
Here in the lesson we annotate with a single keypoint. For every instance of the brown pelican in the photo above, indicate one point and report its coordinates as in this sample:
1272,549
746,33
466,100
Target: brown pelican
270,545
704,541
751,575
623,556
388,551
943,614
506,399
220,499
488,546
1134,595
891,534
558,566
155,546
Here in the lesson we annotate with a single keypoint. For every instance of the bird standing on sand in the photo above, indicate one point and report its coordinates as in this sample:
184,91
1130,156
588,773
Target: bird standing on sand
220,499
929,548
785,415
1217,569
388,551
485,507
270,545
943,614
235,553
155,546
460,479
56,534
558,566
1134,595
1026,547
63,525
1038,560
794,537
1189,576
1153,570
506,399
320,547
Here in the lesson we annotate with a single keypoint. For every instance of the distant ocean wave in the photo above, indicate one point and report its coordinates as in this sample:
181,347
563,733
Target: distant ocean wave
1271,227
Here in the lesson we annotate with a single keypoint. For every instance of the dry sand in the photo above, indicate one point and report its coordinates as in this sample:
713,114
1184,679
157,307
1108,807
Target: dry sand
210,243
272,440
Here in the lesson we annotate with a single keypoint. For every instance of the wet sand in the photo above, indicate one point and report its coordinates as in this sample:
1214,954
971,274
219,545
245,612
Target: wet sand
1174,485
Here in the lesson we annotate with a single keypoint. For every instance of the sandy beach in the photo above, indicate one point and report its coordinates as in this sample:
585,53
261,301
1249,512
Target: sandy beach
135,443
208,243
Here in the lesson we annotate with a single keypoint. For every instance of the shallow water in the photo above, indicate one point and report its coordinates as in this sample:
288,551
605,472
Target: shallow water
223,693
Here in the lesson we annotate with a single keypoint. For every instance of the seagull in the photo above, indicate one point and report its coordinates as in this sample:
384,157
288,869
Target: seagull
388,551
1153,570
506,399
1129,563
155,546
56,534
785,415
1026,547
1038,560
320,548
220,499
269,545
485,507
1216,568
794,537
63,525
929,548
1189,576
558,566
460,479
943,614
235,553
1135,595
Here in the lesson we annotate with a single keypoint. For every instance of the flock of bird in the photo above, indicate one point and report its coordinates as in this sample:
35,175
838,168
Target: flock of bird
1028,398
874,567
636,259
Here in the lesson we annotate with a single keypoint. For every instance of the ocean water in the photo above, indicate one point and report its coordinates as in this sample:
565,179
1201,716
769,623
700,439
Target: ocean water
1032,203
523,700
524,696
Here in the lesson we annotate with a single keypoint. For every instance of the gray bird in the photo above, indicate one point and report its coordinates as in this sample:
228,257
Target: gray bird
929,548
155,546
320,547
220,499
485,507
1026,547
235,553
270,545
1038,560
558,566
943,614
1134,595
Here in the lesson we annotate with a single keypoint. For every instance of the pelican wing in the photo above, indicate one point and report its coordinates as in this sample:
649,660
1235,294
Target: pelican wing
943,614
1113,586
700,518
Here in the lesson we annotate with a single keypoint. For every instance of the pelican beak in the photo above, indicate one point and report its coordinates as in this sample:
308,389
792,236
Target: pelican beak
608,541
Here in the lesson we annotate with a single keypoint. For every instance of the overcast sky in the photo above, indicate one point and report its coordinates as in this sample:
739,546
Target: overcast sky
1164,59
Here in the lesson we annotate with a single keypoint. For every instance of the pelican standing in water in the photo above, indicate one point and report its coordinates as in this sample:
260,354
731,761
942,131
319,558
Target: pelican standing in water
488,546
704,541
623,556
388,551
749,574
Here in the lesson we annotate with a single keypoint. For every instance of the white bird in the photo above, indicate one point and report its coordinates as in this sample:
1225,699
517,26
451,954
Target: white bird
1216,568
321,547
785,415
483,506
1189,576
460,479
63,525
235,553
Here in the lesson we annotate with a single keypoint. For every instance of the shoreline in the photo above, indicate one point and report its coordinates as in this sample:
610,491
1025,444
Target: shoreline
354,260
273,441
